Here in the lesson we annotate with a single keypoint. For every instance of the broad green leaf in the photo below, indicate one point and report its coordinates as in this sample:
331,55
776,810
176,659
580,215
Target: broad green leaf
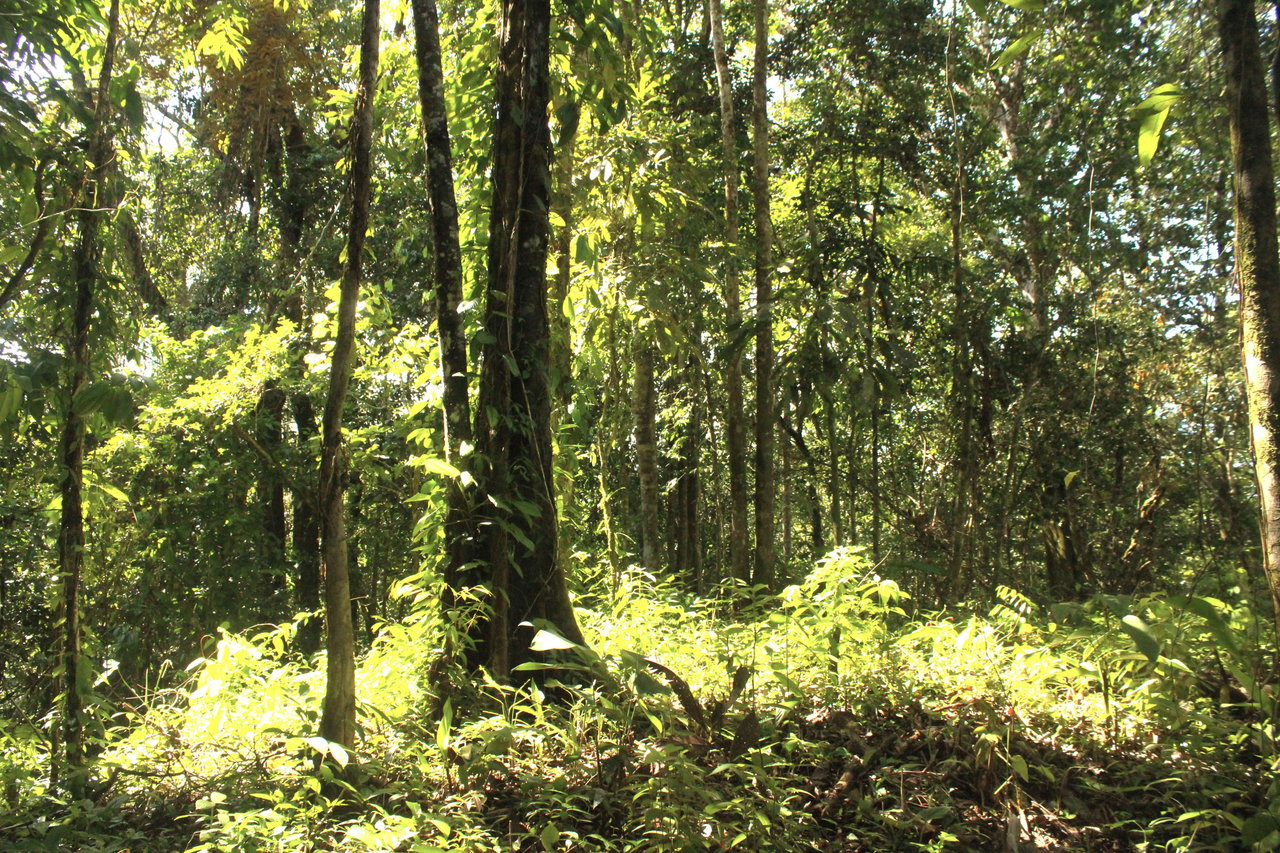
981,8
1017,48
1154,111
339,754
438,466
1142,637
446,725
1019,765
1025,5
114,492
545,641
1149,136
1258,827
1213,620
1163,97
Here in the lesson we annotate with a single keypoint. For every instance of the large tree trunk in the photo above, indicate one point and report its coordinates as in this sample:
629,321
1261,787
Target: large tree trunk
85,271
1257,265
735,417
643,410
766,546
513,434
338,720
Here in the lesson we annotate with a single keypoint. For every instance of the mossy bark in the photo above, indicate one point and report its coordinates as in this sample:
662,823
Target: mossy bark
1257,264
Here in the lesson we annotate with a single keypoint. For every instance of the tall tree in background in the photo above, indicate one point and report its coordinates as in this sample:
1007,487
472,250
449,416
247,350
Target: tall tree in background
735,418
447,271
338,720
1257,262
517,538
86,272
766,547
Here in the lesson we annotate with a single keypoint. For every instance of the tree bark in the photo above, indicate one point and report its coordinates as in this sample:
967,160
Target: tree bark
444,221
85,270
338,720
447,267
766,463
518,537
1257,265
735,417
643,405
269,415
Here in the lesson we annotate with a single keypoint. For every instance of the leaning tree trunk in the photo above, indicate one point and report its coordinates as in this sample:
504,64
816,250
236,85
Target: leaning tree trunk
448,280
85,271
1257,265
735,418
643,410
766,546
338,722
513,424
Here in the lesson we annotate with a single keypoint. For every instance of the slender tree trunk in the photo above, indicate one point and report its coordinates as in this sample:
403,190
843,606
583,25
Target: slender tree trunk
643,405
85,270
444,222
306,523
514,409
735,416
766,450
338,720
270,414
447,268
1257,266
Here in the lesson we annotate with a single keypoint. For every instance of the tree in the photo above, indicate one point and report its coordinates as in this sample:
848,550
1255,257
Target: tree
337,723
735,418
517,528
1257,263
86,272
766,547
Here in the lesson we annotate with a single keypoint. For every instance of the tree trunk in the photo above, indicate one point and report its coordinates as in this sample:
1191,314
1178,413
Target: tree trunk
513,434
269,415
85,270
459,536
766,546
338,720
1257,266
735,417
643,405
444,221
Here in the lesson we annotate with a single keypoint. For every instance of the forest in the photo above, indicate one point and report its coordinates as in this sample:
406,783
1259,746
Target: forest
652,425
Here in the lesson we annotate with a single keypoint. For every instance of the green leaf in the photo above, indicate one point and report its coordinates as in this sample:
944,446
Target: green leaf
1163,97
1025,5
981,8
1154,110
546,641
1258,828
1218,627
438,466
1142,637
1017,48
1149,136
446,725
549,836
114,492
339,754
1019,765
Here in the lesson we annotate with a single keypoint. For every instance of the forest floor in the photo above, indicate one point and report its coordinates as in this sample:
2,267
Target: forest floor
831,720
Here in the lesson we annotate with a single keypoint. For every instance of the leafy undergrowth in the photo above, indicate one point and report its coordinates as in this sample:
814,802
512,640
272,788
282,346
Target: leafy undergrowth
825,720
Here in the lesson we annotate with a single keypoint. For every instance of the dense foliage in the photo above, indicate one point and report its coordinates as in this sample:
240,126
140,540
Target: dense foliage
836,445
